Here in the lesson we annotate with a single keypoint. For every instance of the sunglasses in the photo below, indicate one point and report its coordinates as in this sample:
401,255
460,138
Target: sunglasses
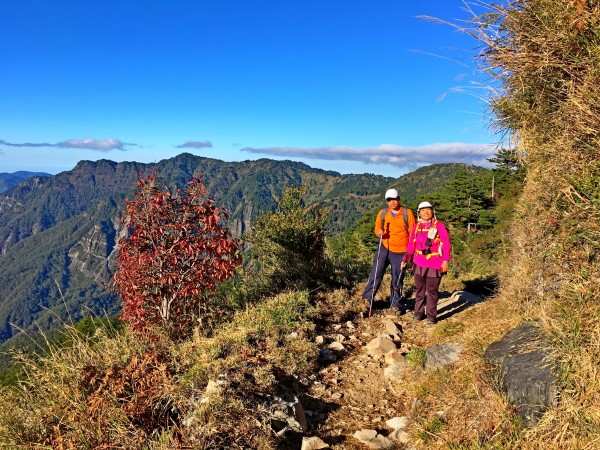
390,199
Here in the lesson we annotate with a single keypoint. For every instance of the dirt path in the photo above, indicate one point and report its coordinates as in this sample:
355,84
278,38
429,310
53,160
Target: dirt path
351,393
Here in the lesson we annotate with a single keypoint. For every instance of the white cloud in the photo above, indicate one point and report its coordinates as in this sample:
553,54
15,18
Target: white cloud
395,155
196,144
102,145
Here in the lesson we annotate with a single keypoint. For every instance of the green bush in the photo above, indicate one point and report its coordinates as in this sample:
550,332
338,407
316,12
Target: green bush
288,246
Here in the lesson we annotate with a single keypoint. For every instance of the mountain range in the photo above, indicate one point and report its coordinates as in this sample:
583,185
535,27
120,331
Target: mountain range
58,234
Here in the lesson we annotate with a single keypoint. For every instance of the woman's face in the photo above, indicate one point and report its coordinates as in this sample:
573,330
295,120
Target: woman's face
426,213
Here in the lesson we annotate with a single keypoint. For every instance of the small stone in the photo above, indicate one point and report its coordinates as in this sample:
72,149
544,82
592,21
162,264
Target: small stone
337,395
395,372
339,337
313,443
440,355
397,423
290,412
327,355
319,340
350,325
380,346
337,327
393,357
338,346
293,335
373,440
391,328
400,436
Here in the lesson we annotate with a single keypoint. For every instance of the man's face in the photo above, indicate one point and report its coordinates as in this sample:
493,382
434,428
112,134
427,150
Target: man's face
392,202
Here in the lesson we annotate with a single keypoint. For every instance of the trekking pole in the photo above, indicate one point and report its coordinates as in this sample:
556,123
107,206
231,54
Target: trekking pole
399,282
375,275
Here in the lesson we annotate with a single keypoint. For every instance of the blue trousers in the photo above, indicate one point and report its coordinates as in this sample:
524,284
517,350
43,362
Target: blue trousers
382,260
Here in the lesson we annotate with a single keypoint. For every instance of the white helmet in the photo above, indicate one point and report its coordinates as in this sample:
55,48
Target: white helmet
424,205
391,193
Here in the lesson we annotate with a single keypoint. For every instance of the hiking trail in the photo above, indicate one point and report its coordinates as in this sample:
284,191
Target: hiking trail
363,362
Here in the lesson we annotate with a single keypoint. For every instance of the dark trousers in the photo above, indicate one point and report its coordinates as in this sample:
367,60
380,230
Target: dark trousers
426,287
383,259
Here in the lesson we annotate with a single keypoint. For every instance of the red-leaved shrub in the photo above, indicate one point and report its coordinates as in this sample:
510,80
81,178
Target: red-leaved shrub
176,249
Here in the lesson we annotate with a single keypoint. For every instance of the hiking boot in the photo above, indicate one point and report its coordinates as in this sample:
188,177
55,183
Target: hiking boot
418,318
431,321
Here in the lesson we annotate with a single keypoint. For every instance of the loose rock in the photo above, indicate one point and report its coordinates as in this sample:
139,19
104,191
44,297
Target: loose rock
373,440
397,423
400,436
393,357
380,346
339,337
441,355
313,443
290,412
338,346
391,328
327,355
395,372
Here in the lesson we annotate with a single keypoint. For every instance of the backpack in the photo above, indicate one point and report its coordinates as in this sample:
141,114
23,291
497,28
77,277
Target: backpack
404,216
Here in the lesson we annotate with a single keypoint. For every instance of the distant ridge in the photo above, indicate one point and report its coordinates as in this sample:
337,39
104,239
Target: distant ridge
10,180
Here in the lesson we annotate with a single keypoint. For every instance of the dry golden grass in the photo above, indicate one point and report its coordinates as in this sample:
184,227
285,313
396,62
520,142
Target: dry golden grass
544,57
105,392
132,391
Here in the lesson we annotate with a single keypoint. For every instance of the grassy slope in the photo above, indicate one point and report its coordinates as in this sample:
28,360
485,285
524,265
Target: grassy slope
546,60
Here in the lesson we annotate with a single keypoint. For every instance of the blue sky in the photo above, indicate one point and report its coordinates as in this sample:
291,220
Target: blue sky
352,86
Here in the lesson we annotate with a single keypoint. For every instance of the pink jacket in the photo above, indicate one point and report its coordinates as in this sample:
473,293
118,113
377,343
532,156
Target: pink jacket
440,248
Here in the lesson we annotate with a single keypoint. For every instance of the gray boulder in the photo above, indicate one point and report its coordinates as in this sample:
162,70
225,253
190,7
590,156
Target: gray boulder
526,372
513,342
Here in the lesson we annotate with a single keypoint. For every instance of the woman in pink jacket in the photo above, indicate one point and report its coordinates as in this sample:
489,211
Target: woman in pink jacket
429,248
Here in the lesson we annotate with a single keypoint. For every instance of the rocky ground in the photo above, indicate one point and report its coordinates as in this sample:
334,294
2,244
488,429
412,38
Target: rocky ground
356,401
